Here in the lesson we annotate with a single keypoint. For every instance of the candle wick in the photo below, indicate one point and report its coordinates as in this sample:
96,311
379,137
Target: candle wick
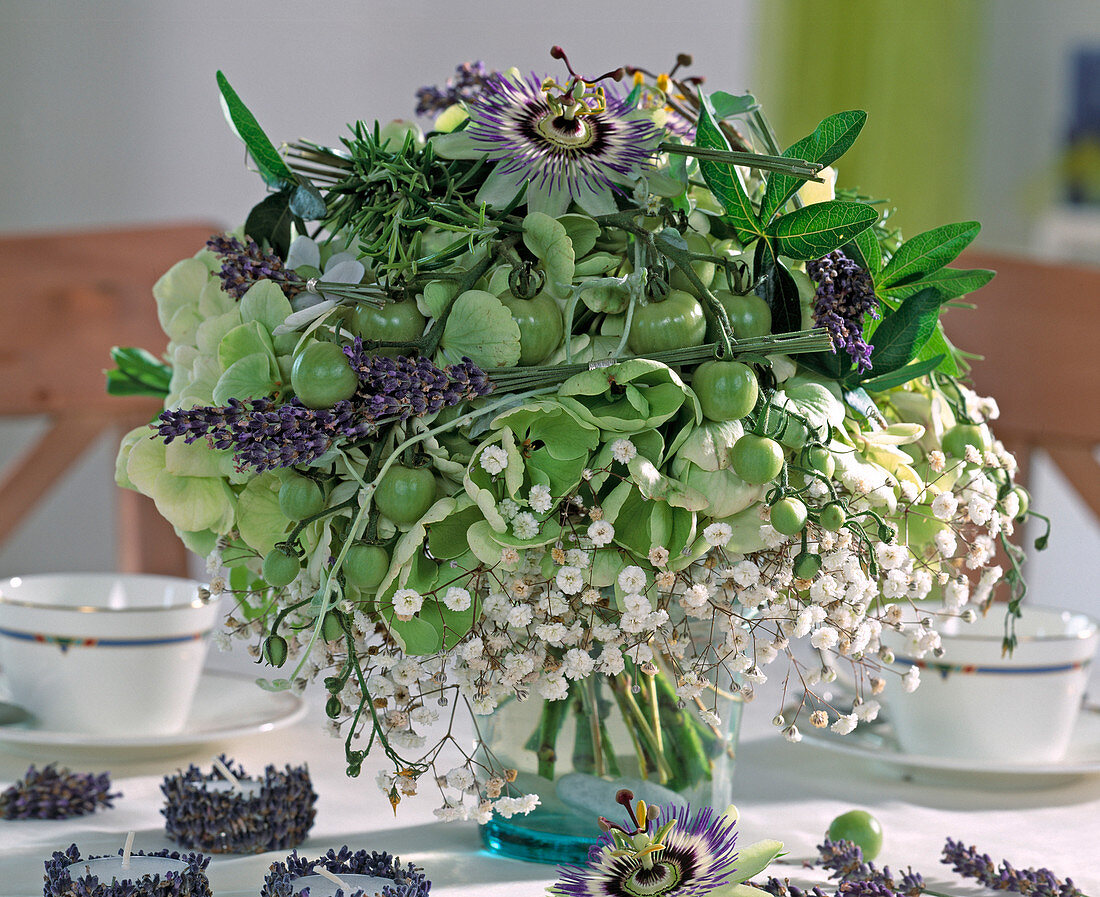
126,850
333,877
227,774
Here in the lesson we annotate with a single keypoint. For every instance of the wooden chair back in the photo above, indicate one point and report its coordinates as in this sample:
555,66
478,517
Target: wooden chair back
1038,327
67,299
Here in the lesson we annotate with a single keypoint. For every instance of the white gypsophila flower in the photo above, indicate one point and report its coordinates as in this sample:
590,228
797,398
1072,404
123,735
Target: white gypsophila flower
623,451
450,813
520,615
611,662
771,537
893,556
895,585
972,455
508,508
632,579
1010,504
494,459
824,637
989,578
553,688
696,596
792,734
525,525
222,640
909,490
844,724
745,573
539,499
980,552
639,653
911,679
979,509
946,543
819,719
803,624
407,602
483,705
509,557
867,712
658,556
408,740
817,489
552,633
460,778
570,580
689,687
937,460
423,715
577,664
636,603
457,598
601,533
718,535
634,622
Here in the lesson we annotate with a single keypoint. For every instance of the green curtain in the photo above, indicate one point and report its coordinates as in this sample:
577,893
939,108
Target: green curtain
914,68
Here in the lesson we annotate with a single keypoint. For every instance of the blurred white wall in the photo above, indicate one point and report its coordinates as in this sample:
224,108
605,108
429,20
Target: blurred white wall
109,114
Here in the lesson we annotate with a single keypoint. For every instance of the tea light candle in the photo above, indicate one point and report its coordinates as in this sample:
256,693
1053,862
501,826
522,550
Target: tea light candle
351,884
226,812
132,874
352,873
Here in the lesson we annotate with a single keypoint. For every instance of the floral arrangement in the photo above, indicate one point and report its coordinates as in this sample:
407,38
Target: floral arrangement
592,397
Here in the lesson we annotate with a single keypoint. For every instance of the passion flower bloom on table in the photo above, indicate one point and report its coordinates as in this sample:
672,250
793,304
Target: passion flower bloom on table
513,410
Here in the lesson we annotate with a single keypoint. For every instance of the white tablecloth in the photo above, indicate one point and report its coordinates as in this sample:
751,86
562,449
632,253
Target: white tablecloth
784,791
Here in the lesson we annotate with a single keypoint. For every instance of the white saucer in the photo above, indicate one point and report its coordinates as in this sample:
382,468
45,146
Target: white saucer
227,706
877,742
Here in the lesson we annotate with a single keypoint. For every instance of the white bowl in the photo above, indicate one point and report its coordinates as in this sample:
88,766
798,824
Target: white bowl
104,653
977,703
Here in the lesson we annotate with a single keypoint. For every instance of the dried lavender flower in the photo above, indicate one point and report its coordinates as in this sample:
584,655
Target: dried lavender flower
845,294
966,861
845,860
463,87
192,882
408,881
243,264
52,793
277,818
784,888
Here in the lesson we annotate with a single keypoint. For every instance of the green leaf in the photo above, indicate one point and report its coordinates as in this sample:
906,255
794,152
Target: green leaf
928,252
266,303
723,178
951,282
938,344
813,231
138,373
272,168
903,332
829,141
306,202
779,290
583,233
727,105
260,521
481,328
245,378
834,365
548,239
866,249
193,503
270,220
243,340
903,374
447,538
416,636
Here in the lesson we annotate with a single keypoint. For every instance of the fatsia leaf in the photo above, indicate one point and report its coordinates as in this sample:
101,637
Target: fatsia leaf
925,253
723,178
272,168
829,141
813,231
903,332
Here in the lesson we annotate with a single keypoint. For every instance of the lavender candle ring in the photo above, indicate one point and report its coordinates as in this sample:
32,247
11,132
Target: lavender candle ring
274,812
191,881
408,881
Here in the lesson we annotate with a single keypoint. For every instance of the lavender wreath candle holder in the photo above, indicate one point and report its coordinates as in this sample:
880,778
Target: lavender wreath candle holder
288,878
52,793
208,813
186,878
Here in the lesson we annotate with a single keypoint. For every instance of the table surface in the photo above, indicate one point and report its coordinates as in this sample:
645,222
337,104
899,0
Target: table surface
784,791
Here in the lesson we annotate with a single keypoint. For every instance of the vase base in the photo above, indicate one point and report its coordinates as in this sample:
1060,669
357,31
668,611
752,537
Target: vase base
511,838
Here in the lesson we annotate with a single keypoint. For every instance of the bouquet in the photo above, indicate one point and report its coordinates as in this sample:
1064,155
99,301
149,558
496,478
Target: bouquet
513,411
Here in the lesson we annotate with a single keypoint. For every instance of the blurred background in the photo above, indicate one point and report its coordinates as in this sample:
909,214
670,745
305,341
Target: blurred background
978,109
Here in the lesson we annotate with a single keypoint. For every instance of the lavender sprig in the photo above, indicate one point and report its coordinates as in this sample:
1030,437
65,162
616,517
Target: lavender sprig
243,264
784,888
463,87
52,793
966,861
265,435
845,860
845,294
